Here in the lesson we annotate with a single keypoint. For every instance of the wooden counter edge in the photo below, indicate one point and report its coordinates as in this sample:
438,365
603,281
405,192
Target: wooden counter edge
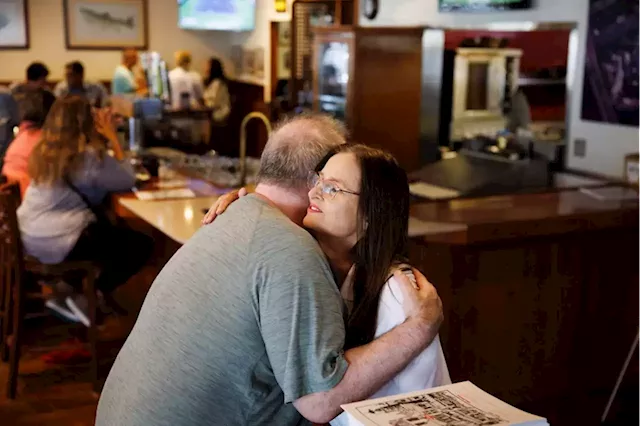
626,217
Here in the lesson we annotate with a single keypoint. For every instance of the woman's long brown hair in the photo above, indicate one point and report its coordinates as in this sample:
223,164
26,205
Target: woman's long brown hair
383,224
68,131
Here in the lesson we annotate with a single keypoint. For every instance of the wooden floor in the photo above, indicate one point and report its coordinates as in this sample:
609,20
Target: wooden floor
53,394
61,395
50,394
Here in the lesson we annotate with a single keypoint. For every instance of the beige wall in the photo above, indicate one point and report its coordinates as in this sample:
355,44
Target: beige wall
47,41
606,144
46,27
260,37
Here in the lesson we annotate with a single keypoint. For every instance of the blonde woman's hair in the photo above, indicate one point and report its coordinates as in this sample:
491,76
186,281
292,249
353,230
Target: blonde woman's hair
67,133
183,58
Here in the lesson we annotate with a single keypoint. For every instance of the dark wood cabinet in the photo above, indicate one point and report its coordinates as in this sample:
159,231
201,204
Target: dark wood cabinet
371,78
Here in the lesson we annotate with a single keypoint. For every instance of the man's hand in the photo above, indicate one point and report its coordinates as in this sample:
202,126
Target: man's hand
374,364
221,204
422,303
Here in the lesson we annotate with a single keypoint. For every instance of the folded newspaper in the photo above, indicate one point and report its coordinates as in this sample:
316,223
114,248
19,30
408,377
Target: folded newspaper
460,404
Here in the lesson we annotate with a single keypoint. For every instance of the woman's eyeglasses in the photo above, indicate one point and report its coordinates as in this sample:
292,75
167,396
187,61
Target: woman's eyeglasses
328,189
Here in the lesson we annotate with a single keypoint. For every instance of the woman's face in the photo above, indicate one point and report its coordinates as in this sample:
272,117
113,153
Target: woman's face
336,215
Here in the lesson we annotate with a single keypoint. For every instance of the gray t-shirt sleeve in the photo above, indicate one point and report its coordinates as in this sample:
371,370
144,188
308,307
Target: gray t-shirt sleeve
301,318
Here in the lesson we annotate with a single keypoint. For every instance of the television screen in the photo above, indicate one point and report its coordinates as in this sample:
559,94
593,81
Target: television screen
231,15
483,5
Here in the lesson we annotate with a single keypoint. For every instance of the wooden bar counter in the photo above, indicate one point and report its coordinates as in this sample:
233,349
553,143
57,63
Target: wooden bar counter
540,294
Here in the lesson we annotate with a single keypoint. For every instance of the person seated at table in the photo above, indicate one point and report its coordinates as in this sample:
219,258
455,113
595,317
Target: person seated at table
359,214
36,105
185,84
37,74
75,84
9,119
60,217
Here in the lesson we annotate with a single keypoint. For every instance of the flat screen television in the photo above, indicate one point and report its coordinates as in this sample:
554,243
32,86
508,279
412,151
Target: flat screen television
483,5
225,15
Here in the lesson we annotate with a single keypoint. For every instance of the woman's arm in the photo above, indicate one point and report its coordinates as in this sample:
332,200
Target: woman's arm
373,365
115,173
103,120
222,203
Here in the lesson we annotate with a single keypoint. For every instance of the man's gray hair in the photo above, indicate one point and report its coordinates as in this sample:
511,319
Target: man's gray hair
295,148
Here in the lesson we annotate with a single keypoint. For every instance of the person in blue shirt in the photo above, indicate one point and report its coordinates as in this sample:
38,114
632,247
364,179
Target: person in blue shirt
75,84
124,80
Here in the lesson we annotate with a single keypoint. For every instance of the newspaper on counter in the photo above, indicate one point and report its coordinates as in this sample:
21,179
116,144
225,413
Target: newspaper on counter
460,404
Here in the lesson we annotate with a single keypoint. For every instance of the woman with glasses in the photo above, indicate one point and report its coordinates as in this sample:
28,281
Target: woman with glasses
359,214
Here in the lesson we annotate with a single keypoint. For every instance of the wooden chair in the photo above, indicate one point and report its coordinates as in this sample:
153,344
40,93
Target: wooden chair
14,270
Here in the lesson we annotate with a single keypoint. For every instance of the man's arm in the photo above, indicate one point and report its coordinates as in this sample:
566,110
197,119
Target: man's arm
374,364
302,326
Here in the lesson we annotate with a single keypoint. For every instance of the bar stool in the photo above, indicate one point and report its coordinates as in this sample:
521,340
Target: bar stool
14,268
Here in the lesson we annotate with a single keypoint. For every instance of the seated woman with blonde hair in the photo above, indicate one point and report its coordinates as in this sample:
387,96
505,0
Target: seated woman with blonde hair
71,173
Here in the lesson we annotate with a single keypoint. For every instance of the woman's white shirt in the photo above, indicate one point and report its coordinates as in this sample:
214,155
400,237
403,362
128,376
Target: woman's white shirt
427,370
216,97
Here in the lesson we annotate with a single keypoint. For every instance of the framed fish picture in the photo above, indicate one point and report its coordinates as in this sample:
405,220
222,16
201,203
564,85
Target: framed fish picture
14,24
105,24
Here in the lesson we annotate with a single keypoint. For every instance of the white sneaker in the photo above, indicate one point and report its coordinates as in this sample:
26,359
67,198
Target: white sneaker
79,305
59,308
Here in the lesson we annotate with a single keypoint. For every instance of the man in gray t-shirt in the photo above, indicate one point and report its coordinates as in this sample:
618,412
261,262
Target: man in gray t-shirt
244,325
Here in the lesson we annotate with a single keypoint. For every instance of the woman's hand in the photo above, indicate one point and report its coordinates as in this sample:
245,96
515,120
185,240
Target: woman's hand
104,122
221,204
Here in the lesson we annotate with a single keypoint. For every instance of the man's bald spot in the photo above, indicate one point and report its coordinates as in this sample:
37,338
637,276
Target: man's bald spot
129,56
296,146
129,53
305,129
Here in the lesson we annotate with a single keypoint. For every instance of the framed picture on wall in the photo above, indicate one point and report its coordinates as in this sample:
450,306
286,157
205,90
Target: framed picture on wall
610,84
284,34
14,24
237,59
248,62
105,24
258,63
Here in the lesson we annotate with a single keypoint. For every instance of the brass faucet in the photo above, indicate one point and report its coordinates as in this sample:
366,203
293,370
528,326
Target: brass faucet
243,140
